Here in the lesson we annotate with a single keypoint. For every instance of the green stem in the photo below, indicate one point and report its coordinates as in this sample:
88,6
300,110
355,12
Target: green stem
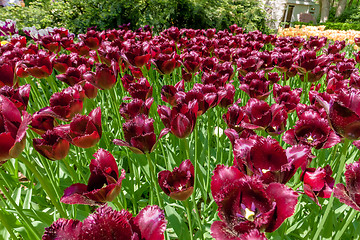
350,218
28,225
188,211
50,192
152,175
337,179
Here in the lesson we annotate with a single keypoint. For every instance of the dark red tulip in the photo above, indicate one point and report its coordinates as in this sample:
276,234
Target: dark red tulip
109,224
41,121
181,119
344,112
265,158
12,130
318,182
357,41
178,184
67,103
245,203
39,65
250,64
312,130
126,80
172,33
92,38
103,78
72,75
165,63
137,106
346,68
308,62
287,97
104,183
234,117
79,48
168,92
135,53
350,194
209,64
50,42
139,135
140,89
229,93
6,74
336,47
86,131
255,85
185,75
191,61
262,116
19,96
53,145
315,43
214,78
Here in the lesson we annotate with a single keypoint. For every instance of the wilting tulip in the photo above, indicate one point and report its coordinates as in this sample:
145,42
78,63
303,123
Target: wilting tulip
86,131
53,145
350,194
109,224
66,104
12,130
245,203
312,130
104,183
19,96
137,106
318,182
265,158
181,119
344,113
139,135
178,184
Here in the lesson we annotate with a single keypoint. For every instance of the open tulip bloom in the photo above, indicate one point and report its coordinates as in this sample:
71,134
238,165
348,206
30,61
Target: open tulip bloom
269,126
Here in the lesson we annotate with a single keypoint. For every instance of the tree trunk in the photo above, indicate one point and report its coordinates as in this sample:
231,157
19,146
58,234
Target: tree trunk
324,12
341,8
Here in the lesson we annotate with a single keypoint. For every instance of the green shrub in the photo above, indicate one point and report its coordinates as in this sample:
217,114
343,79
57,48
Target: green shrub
78,15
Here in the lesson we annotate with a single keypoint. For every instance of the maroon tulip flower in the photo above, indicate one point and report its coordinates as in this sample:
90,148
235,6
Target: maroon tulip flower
262,116
318,182
245,203
165,63
104,183
306,62
169,92
53,145
41,121
228,93
19,96
135,53
39,65
181,119
234,118
104,77
344,112
72,75
178,184
86,131
139,135
141,89
312,130
287,97
256,85
92,38
315,43
191,61
109,224
350,194
6,74
12,130
136,107
250,64
265,158
66,104
172,33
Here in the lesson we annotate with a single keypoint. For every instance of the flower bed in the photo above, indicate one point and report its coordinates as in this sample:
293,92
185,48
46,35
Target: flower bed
189,134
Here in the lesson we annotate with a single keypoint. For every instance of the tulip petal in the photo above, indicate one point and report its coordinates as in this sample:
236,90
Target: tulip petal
151,222
63,229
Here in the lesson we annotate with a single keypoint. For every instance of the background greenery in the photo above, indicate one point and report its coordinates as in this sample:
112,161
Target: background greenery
78,15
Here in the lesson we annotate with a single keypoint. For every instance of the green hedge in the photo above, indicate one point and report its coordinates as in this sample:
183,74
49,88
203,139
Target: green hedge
333,25
78,15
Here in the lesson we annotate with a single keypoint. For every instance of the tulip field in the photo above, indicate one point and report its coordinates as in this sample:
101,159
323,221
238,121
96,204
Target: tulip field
182,134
